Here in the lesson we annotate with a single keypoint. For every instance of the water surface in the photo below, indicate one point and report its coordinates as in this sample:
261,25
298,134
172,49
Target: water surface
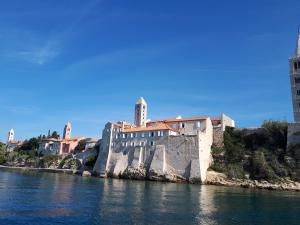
44,198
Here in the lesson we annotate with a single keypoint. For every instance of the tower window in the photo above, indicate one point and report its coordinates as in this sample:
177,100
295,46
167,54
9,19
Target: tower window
298,92
297,80
295,66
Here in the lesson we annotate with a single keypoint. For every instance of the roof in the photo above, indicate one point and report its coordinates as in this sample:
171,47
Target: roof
141,100
151,128
183,119
51,139
93,140
73,139
15,142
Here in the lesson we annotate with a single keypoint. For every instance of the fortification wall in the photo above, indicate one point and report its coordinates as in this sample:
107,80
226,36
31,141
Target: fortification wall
172,158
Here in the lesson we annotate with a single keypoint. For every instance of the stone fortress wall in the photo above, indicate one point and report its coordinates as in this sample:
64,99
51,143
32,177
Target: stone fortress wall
171,158
169,150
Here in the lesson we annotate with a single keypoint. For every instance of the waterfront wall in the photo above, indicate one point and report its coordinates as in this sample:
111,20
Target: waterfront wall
172,158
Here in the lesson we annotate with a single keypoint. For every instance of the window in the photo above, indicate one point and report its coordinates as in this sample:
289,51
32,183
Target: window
132,144
152,143
298,92
295,66
182,125
123,135
198,124
158,133
297,80
142,135
152,134
131,135
123,144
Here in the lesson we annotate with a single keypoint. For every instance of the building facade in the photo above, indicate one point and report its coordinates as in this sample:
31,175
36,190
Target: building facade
294,63
170,149
294,128
11,143
67,145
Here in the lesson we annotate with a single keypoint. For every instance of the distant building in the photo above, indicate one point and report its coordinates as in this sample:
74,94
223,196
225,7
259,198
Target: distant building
11,143
294,128
67,131
67,145
294,62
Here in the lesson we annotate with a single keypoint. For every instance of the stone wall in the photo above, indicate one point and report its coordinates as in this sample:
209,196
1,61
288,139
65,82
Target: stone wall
172,158
293,136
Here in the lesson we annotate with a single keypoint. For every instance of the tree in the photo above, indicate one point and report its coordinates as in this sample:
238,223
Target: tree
80,147
55,135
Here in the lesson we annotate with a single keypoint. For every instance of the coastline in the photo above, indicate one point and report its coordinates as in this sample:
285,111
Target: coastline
213,178
219,179
46,170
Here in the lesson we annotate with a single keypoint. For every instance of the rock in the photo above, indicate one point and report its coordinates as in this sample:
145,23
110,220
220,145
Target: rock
86,173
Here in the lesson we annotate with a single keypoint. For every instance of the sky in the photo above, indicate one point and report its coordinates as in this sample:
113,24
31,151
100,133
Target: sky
88,61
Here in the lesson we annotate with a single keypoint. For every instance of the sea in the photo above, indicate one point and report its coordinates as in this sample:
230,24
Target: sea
49,198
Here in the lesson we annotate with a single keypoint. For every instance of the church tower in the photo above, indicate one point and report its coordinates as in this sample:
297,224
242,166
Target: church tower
140,113
10,136
67,131
295,80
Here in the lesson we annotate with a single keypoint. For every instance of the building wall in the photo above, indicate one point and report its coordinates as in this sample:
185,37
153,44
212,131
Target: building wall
293,136
226,121
295,86
170,157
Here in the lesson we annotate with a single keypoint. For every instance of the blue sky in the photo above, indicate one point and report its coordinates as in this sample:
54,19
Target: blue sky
88,61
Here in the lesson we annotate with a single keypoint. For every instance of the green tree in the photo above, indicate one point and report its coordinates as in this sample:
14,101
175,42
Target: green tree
80,147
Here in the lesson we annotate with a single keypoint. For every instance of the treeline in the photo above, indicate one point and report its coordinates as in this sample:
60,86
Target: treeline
259,154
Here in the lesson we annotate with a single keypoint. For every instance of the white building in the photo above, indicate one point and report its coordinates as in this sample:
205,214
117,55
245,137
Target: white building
176,148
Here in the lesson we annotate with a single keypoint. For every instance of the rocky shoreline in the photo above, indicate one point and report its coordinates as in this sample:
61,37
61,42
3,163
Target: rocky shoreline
49,170
213,178
219,179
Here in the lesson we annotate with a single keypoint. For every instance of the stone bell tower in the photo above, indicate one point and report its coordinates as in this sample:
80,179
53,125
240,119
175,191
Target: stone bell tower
10,135
67,131
295,80
140,113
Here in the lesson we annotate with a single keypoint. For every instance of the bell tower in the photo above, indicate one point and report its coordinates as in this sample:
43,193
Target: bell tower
295,80
67,131
140,113
10,136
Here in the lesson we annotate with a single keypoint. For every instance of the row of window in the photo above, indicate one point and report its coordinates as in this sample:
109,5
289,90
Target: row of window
140,134
297,65
133,144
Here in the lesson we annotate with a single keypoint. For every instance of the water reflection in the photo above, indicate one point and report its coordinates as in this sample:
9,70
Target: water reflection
40,198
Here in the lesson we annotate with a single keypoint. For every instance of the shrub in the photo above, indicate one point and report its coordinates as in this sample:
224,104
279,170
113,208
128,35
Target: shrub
260,167
90,162
235,171
2,159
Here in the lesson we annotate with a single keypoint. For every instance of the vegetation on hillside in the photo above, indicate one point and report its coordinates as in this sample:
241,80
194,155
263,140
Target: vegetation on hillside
259,154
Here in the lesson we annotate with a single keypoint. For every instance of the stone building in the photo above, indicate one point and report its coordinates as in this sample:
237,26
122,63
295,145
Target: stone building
67,145
294,64
165,149
11,143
